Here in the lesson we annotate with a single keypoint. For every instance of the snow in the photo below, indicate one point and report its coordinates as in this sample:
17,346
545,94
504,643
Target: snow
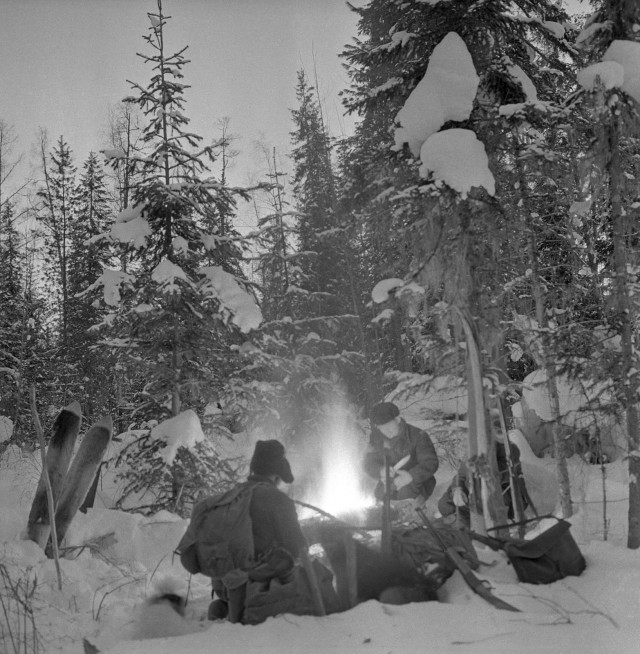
240,304
134,231
619,68
114,153
183,430
128,557
383,289
134,211
180,245
165,275
555,28
446,92
528,86
6,428
111,281
609,73
458,158
627,54
588,32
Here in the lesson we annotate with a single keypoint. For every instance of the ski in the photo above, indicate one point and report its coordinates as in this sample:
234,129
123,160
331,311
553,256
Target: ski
59,452
82,473
478,586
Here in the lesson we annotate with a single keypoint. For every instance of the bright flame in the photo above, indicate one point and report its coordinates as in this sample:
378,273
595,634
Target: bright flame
341,490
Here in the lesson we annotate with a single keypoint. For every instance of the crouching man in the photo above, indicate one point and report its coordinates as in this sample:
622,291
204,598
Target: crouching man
410,454
249,541
277,538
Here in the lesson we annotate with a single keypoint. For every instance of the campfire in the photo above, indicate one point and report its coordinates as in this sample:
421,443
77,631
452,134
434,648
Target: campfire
341,489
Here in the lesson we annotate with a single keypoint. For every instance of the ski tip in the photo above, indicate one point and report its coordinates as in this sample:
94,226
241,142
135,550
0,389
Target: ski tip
75,408
105,422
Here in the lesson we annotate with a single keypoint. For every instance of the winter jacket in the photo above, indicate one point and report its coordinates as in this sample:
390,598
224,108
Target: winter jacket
274,519
422,463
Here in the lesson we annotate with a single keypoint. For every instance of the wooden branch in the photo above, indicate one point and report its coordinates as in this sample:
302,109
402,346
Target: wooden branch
332,517
45,474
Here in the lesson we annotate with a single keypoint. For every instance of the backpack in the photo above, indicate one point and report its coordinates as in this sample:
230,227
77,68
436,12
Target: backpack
550,556
219,537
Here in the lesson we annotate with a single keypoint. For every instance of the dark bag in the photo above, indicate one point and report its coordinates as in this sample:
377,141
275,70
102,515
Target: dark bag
219,537
550,556
295,596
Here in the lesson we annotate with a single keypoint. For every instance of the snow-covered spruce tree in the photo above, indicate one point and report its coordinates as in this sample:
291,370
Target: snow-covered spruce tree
443,210
56,195
11,300
55,215
309,355
89,254
22,352
173,314
612,97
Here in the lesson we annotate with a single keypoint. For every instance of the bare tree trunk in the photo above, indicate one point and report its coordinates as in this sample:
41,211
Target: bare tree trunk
538,293
552,387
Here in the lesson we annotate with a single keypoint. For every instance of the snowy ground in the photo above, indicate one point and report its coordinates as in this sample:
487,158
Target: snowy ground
125,557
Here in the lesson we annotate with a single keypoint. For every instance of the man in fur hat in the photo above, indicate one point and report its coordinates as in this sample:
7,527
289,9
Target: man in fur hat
277,536
273,514
411,457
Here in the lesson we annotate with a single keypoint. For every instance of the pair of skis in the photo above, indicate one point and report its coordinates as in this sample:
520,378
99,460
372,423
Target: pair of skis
70,480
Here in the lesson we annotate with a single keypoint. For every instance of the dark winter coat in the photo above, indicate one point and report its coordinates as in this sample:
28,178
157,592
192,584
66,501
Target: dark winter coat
422,464
274,519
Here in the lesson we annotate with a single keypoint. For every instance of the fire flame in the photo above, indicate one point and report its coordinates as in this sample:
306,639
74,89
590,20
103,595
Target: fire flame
341,489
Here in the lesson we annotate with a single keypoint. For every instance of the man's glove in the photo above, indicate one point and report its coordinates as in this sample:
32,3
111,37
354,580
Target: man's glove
459,497
402,479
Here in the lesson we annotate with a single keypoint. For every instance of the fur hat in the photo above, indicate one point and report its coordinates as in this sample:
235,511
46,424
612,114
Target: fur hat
269,459
383,413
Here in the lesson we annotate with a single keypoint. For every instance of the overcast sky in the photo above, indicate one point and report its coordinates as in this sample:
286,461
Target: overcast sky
63,62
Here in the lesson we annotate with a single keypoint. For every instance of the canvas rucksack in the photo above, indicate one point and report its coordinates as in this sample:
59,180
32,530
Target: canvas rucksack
219,537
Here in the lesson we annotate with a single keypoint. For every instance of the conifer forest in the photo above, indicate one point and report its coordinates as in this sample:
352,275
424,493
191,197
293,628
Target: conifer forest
478,229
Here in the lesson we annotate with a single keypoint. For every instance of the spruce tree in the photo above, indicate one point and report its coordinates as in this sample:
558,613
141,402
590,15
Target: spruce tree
179,307
90,253
418,226
56,216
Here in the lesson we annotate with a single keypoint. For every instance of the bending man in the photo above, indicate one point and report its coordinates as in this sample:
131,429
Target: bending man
410,454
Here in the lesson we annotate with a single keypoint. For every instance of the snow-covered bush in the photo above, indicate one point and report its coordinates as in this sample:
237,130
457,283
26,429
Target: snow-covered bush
170,466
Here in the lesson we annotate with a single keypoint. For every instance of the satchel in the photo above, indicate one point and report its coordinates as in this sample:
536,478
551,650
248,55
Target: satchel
550,556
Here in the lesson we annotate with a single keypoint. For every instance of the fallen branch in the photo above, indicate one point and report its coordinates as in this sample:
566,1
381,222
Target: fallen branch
332,517
47,482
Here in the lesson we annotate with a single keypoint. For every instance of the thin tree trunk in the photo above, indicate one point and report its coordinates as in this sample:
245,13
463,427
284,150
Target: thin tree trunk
552,387
626,318
547,356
